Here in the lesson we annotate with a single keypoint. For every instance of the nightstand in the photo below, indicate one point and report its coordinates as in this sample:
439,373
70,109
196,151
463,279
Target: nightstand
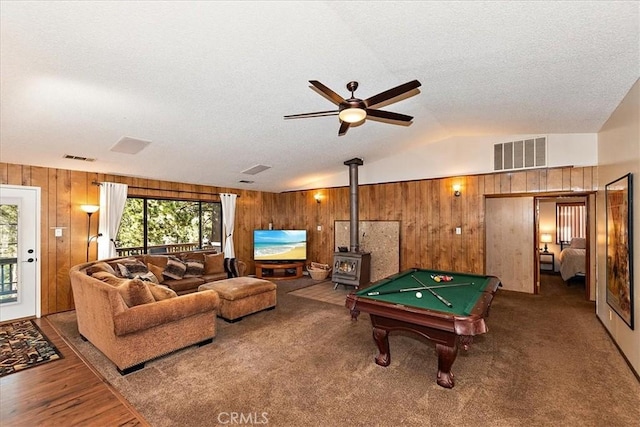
547,262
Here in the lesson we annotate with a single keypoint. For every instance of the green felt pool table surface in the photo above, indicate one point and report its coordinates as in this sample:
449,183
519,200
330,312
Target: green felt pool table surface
463,291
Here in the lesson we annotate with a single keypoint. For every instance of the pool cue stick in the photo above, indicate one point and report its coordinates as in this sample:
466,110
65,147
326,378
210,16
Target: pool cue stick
396,291
442,300
421,288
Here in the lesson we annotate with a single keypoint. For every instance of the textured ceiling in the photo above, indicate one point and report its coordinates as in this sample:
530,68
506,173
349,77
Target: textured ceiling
208,83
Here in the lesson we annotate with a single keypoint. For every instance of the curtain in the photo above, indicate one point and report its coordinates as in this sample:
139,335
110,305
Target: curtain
571,221
228,220
112,199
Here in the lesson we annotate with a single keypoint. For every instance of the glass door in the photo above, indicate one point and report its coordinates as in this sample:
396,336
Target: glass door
19,251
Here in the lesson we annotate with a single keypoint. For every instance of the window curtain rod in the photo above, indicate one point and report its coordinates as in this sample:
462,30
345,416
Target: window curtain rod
160,189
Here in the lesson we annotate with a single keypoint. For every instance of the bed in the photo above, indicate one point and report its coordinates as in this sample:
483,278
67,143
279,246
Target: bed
573,259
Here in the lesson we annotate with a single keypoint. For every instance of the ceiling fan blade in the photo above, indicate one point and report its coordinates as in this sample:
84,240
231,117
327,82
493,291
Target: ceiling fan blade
344,127
337,99
388,115
392,93
316,114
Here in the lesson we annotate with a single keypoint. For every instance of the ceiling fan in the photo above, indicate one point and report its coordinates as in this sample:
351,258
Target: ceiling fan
354,110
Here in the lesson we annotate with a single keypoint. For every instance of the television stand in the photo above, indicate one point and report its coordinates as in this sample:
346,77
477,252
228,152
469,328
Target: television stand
266,270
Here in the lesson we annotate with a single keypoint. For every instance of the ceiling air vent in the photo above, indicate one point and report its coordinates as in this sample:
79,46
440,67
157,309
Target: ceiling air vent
84,159
246,181
256,169
524,154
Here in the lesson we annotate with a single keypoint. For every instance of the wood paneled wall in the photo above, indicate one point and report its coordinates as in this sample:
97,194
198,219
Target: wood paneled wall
427,210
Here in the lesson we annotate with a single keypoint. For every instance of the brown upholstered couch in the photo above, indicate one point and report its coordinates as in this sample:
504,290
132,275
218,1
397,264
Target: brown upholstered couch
213,265
134,320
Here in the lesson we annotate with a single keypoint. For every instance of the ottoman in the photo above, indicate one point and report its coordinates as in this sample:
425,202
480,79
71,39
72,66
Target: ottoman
241,296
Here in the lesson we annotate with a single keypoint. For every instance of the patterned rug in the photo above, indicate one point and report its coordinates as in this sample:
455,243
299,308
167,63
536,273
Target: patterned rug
23,346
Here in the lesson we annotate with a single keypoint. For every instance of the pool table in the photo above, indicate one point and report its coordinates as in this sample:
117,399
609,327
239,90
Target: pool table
406,301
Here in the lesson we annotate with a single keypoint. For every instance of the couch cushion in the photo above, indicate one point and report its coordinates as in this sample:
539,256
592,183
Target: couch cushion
157,271
108,278
161,292
214,264
135,292
193,256
159,260
175,268
100,266
186,284
214,277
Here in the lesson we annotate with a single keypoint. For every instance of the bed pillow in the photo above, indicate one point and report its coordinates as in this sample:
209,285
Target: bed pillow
578,243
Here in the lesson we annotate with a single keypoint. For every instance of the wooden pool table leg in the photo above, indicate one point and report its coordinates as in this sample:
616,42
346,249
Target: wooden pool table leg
446,357
381,337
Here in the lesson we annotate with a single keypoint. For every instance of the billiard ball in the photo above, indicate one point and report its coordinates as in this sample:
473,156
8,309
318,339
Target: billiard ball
418,294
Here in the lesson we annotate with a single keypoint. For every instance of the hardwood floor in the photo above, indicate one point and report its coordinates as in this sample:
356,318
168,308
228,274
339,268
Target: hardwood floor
65,392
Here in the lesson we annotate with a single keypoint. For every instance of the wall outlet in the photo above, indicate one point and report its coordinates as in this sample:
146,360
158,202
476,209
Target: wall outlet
57,232
319,228
458,230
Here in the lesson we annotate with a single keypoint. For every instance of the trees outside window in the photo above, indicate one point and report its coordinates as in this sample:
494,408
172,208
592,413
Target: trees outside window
157,225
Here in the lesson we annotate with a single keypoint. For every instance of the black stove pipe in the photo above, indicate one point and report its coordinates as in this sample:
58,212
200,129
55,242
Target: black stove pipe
354,240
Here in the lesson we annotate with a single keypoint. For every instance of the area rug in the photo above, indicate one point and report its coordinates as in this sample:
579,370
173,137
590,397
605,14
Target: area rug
23,346
324,292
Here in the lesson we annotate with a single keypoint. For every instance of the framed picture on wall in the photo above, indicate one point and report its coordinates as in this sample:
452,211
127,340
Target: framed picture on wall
619,247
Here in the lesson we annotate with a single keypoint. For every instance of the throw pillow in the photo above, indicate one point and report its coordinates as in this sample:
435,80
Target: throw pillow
123,271
147,277
136,267
157,271
231,267
194,268
160,292
214,264
175,269
100,266
135,292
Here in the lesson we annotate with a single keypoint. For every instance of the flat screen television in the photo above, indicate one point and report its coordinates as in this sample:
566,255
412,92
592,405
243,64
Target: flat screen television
279,245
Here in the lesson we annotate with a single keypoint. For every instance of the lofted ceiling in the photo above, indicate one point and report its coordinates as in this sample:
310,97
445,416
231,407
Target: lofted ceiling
208,83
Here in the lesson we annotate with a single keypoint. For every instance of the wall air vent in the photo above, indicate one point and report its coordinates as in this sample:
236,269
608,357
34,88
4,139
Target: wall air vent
84,159
524,154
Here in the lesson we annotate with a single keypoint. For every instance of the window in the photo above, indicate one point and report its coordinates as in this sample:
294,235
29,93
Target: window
571,221
161,226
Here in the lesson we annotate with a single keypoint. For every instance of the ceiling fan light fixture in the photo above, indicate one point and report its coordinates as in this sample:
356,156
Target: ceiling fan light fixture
352,115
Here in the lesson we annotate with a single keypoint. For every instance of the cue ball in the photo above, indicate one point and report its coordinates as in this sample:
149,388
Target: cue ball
418,294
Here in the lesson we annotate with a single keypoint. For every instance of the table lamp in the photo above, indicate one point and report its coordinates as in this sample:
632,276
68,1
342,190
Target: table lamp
546,238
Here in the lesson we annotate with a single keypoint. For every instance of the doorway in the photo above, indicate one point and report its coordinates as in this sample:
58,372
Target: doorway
19,252
550,229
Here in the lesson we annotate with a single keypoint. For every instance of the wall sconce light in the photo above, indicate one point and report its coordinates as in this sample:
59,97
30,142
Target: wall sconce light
317,196
456,190
546,238
90,210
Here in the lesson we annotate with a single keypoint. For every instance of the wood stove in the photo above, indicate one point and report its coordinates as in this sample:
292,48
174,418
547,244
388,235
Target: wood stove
352,268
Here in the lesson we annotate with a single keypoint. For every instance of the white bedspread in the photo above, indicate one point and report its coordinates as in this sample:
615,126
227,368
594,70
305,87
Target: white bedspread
572,262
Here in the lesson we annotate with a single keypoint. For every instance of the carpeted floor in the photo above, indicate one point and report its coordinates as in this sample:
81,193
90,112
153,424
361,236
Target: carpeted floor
23,346
546,361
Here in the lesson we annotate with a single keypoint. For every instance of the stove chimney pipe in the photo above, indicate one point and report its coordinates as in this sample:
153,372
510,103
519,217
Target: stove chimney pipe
354,240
